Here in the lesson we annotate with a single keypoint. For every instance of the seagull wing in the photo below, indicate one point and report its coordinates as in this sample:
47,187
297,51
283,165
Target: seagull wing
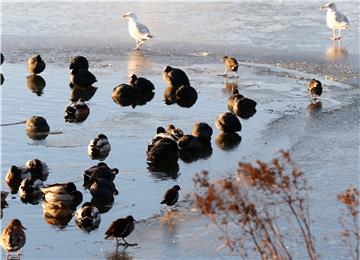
142,31
341,19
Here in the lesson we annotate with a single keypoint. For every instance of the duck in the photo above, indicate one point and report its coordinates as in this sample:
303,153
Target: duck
30,190
160,133
124,92
241,106
103,189
228,123
13,237
121,228
79,62
99,171
87,217
2,79
82,77
173,132
171,196
37,124
36,84
163,151
99,148
36,64
77,111
64,192
189,143
38,169
4,204
137,30
231,64
202,131
175,77
186,96
15,176
314,89
141,85
2,58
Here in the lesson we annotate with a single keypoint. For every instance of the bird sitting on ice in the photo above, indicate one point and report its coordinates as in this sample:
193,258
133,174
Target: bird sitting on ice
137,30
335,20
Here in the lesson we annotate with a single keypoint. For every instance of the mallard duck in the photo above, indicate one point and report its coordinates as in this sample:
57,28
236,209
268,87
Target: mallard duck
163,151
38,169
64,192
202,131
15,176
175,77
314,89
82,78
173,132
37,124
171,196
35,65
121,228
141,85
87,217
228,122
186,96
79,62
231,64
189,143
124,95
103,189
13,237
99,171
99,148
77,111
30,190
36,84
4,204
241,106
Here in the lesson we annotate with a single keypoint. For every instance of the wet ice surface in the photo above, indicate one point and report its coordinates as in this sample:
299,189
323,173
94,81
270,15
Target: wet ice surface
282,121
324,142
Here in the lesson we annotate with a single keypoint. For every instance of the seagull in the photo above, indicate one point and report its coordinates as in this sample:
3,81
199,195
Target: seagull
335,20
137,30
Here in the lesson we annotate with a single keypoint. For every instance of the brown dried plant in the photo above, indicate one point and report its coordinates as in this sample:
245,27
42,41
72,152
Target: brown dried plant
256,199
349,221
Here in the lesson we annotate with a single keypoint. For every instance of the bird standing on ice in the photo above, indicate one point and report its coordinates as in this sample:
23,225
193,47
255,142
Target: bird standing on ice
335,20
137,30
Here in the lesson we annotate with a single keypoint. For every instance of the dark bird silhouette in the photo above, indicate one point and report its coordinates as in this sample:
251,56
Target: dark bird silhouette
79,62
202,131
175,77
37,124
77,111
314,88
35,65
13,237
241,106
2,58
228,123
140,84
171,196
121,228
82,78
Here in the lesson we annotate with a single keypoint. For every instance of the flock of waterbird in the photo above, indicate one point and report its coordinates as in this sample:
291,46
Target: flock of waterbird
61,199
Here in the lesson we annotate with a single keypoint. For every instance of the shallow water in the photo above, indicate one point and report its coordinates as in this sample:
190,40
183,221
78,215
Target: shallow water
282,121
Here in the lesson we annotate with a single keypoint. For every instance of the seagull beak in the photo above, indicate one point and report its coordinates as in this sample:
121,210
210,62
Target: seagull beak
125,15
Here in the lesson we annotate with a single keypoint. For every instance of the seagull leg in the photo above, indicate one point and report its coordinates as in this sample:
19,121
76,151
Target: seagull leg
137,45
334,34
339,35
141,44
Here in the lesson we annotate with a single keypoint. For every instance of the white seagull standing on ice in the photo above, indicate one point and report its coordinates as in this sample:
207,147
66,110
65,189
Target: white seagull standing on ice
137,30
335,20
